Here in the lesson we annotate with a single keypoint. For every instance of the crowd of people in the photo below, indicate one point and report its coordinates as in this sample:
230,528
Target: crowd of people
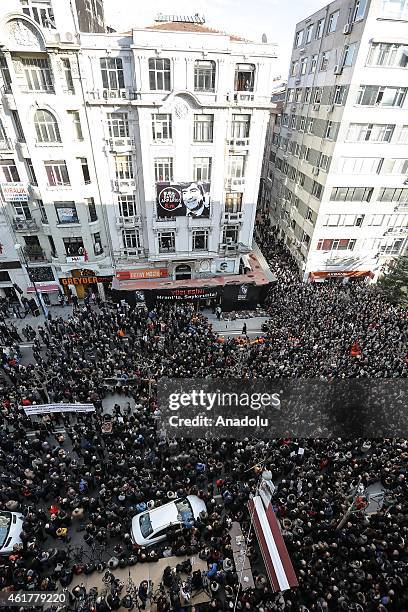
79,486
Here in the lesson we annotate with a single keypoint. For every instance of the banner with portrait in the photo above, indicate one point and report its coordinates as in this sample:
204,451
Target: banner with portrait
183,199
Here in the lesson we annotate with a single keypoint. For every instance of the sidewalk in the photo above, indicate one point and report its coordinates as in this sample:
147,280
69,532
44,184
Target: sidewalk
30,319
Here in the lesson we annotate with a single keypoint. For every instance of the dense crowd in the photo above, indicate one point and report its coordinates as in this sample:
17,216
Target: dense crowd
91,481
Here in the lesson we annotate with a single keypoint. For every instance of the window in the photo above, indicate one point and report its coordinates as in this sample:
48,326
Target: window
10,172
123,167
309,31
244,77
298,94
370,132
127,205
319,29
323,162
303,65
167,242
293,122
236,166
69,83
18,127
393,247
345,244
290,96
302,124
360,165
310,125
162,127
74,246
309,214
403,135
395,166
131,239
317,189
233,202
38,74
30,171
294,68
204,75
351,194
76,124
43,212
57,173
202,168
52,246
46,127
40,11
163,169
332,22
159,74
339,96
298,38
240,126
200,240
230,234
97,243
317,95
359,10
5,73
324,61
388,55
313,64
393,195
348,54
118,125
203,128
66,212
394,9
22,211
308,93
330,132
112,73
85,170
305,238
374,95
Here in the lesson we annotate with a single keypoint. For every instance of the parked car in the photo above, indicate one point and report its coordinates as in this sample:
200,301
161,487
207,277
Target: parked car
152,526
11,526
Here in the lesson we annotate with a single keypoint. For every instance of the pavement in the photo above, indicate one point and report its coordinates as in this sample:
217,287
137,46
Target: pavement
234,328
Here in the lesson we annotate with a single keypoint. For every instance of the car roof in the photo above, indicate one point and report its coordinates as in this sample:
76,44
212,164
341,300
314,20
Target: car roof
164,515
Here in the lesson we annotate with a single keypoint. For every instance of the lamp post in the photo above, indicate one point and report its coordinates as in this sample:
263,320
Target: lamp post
20,250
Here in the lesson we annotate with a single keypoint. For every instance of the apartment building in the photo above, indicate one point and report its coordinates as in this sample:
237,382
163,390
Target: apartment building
133,158
336,169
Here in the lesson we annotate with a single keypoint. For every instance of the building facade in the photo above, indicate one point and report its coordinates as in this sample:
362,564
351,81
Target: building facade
337,168
135,156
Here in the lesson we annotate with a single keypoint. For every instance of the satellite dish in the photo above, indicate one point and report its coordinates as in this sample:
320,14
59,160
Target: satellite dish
264,38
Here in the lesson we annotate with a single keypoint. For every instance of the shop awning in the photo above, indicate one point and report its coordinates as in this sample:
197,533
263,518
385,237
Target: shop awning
341,274
43,288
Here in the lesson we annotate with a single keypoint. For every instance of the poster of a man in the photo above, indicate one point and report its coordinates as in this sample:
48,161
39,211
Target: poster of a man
183,199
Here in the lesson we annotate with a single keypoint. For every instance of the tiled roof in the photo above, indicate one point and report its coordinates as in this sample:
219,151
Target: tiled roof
179,26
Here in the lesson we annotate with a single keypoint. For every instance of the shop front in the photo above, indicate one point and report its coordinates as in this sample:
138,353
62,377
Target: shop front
339,274
84,282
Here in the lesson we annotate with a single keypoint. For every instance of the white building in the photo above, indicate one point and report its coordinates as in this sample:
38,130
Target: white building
140,152
338,164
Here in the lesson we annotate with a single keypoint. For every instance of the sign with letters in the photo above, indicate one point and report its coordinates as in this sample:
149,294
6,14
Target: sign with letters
48,408
183,199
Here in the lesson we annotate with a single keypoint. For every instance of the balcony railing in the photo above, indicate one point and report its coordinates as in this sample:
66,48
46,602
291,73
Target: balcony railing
126,253
238,143
232,217
33,253
127,221
123,184
114,94
234,183
25,225
6,145
120,143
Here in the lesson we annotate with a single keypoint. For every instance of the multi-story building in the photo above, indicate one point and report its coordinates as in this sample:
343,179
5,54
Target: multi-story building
337,165
133,155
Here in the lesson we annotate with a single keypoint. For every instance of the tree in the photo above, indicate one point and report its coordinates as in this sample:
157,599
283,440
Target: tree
394,284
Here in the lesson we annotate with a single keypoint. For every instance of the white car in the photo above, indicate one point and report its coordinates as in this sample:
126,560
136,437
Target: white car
151,526
11,526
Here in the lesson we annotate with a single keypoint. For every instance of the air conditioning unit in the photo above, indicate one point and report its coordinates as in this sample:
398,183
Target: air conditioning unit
347,28
338,69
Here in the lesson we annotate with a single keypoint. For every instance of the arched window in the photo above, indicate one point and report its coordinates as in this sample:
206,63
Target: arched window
46,127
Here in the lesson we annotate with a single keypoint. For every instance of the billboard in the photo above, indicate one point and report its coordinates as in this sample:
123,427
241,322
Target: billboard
183,199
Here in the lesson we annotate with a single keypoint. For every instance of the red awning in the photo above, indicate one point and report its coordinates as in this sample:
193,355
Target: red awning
341,274
43,287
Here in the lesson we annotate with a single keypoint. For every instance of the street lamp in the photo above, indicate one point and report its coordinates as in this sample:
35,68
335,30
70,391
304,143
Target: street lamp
21,253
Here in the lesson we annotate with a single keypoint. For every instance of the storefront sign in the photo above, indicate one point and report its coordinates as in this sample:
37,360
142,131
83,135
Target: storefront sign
85,280
142,274
194,293
183,199
14,192
48,408
342,274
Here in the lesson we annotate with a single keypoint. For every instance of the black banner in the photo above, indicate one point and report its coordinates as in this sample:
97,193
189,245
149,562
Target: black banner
183,199
186,293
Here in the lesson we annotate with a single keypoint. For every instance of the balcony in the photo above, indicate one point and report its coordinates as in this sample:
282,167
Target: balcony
130,253
108,95
232,217
127,221
123,185
244,96
34,253
47,90
75,259
235,184
118,144
25,225
238,143
6,145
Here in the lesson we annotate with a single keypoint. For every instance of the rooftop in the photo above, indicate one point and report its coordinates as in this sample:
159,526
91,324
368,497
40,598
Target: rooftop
180,26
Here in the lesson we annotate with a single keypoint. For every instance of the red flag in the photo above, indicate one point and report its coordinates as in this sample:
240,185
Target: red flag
85,255
355,350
